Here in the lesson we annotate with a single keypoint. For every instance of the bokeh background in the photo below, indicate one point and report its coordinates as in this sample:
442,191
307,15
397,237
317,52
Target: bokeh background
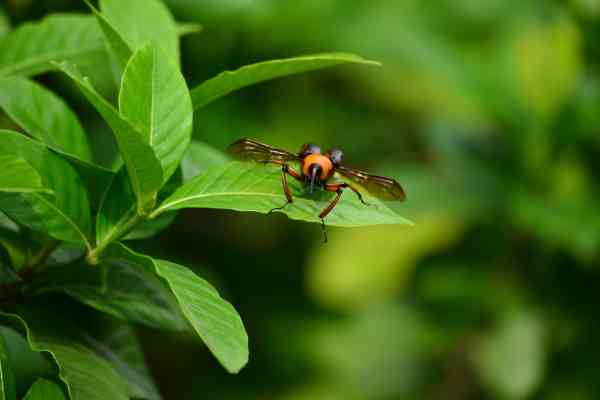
487,112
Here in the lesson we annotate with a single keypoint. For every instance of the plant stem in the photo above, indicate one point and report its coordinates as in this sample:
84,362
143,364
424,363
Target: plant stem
116,233
37,263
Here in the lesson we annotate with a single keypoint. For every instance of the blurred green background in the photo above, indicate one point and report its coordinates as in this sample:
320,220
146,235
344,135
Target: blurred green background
487,112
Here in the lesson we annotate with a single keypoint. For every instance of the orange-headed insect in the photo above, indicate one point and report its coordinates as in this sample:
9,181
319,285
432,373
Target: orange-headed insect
316,170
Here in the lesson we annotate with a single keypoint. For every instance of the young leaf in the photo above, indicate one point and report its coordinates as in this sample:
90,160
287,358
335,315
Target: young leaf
95,178
118,46
144,21
18,176
155,100
44,389
86,375
120,347
214,319
144,169
65,214
199,157
30,49
44,116
8,389
245,186
117,287
229,81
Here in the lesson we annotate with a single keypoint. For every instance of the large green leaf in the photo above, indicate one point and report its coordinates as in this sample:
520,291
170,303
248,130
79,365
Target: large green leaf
144,21
86,375
245,186
30,49
44,389
229,81
144,169
65,214
7,378
44,116
18,176
214,319
199,157
116,286
154,98
95,178
119,345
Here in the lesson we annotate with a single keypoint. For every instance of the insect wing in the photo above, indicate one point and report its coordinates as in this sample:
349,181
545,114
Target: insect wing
247,149
379,186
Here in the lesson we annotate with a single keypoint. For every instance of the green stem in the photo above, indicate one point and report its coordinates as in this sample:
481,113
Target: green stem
119,231
38,262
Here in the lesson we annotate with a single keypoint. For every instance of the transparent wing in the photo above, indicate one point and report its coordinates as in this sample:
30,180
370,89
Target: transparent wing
379,186
247,149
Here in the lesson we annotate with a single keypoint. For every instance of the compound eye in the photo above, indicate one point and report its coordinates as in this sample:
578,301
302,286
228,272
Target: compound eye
309,148
336,156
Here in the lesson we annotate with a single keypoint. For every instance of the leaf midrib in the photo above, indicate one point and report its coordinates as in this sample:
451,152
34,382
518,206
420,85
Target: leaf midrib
165,207
66,218
6,71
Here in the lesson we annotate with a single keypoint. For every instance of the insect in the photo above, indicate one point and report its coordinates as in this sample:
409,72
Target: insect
316,171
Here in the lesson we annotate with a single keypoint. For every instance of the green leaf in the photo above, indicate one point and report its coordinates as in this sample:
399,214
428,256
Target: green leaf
44,389
8,390
30,49
18,176
95,178
44,116
65,215
229,81
117,45
154,98
7,223
86,375
144,169
199,157
214,319
144,21
244,186
117,208
120,347
118,287
18,250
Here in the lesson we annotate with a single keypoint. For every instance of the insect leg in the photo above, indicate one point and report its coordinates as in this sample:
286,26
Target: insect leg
338,189
285,170
344,185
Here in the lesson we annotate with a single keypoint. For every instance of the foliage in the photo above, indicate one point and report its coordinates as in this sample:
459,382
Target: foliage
113,129
59,197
